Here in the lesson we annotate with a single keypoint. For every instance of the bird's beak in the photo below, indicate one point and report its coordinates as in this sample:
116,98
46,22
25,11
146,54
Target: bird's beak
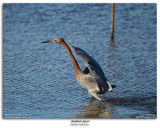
49,41
46,41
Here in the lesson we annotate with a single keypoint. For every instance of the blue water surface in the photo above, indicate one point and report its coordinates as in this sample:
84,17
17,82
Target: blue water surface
39,79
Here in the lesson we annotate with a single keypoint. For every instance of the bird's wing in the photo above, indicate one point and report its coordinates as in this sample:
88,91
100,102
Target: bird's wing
100,79
87,59
93,67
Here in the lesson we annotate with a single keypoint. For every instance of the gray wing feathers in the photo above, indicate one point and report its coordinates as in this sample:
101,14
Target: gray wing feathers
93,67
87,59
100,79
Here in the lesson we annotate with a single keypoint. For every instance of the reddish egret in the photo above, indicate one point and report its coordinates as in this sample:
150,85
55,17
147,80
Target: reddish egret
92,78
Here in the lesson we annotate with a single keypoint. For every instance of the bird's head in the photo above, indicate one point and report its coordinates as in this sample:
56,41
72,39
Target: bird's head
57,40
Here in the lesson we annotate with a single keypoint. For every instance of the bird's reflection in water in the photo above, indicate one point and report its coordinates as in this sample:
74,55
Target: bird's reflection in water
116,107
94,109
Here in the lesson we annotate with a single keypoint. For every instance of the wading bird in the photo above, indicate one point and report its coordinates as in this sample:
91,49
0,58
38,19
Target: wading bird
92,78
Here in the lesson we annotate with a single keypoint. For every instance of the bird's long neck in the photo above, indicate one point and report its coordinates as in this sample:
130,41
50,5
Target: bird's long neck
75,64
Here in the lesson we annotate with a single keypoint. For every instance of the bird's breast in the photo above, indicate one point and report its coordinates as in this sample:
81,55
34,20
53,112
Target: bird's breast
87,81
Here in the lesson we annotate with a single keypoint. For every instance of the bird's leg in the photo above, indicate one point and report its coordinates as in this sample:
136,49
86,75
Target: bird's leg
113,92
90,95
95,95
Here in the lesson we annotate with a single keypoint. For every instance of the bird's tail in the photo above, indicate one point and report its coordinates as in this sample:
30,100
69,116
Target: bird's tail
113,86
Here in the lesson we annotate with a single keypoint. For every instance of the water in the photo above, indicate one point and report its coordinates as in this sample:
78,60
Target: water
39,79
